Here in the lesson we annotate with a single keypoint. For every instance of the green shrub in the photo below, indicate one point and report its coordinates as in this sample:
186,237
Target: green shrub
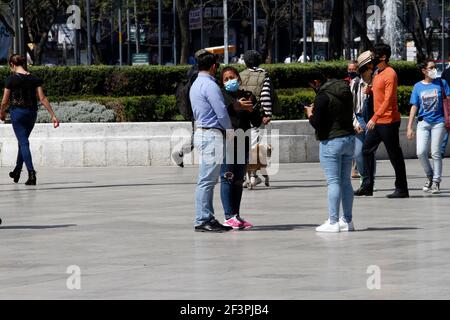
162,108
162,80
403,96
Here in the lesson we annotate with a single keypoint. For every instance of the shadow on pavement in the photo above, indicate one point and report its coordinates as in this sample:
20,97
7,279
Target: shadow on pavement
281,227
389,229
37,227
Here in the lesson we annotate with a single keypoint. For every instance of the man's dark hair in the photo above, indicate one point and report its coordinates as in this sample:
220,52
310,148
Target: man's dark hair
252,59
317,74
205,62
382,49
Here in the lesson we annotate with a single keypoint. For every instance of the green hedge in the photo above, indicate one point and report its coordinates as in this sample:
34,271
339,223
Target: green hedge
162,108
156,80
134,109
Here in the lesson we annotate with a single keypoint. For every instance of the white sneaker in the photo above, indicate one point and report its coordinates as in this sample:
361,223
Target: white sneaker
435,188
254,181
327,227
344,226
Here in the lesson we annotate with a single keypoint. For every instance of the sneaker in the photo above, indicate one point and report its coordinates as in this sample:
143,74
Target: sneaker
246,224
428,184
328,227
254,181
344,226
234,222
266,181
435,188
246,183
177,157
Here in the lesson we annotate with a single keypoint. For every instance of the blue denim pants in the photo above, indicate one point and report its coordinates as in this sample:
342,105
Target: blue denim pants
210,147
430,136
232,175
336,160
23,120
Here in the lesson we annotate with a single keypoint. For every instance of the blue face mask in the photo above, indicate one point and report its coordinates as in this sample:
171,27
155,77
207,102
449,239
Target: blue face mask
232,85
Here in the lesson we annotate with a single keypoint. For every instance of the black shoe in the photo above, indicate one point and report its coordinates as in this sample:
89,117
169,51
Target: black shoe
31,178
398,194
363,192
266,181
15,174
212,226
224,228
177,157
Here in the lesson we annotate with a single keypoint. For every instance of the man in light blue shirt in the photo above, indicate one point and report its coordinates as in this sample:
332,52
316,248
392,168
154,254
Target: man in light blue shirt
212,120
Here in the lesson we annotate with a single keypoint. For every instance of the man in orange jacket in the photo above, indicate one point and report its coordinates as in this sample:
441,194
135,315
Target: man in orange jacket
384,125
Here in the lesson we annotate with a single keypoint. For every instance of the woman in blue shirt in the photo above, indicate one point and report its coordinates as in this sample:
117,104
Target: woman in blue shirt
427,99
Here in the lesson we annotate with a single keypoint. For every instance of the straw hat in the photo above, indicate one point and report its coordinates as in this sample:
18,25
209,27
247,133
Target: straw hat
364,58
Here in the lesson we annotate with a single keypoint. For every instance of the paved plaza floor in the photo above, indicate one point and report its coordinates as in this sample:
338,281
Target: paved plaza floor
130,232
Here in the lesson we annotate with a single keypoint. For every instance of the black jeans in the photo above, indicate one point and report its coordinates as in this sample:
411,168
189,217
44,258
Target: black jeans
389,135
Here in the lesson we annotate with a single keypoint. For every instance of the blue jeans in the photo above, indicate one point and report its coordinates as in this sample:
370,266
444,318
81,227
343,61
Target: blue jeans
336,160
430,136
444,144
231,180
23,120
210,145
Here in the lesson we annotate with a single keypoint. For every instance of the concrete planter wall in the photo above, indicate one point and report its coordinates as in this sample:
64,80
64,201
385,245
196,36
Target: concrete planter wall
146,144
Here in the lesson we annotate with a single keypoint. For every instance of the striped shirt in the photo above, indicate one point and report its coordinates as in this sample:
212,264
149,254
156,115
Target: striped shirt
266,93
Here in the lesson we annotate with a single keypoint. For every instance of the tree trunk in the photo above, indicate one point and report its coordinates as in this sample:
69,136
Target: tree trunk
360,23
183,8
419,31
335,34
268,31
39,51
347,34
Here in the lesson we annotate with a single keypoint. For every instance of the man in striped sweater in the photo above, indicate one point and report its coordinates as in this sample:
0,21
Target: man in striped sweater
256,80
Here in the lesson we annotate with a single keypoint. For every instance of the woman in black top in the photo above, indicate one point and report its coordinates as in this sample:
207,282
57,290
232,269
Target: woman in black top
234,168
21,92
332,117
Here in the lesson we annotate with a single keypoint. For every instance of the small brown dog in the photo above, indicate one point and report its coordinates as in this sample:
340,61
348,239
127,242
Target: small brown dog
258,159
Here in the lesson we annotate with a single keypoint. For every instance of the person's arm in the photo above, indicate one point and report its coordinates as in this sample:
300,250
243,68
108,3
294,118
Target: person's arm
4,105
215,99
412,116
317,115
43,99
266,100
414,101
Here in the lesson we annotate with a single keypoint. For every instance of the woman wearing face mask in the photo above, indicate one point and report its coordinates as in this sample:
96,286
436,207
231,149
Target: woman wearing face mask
427,99
21,92
234,168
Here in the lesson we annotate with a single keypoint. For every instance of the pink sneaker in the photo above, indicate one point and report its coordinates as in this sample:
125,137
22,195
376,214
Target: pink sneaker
234,222
246,224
